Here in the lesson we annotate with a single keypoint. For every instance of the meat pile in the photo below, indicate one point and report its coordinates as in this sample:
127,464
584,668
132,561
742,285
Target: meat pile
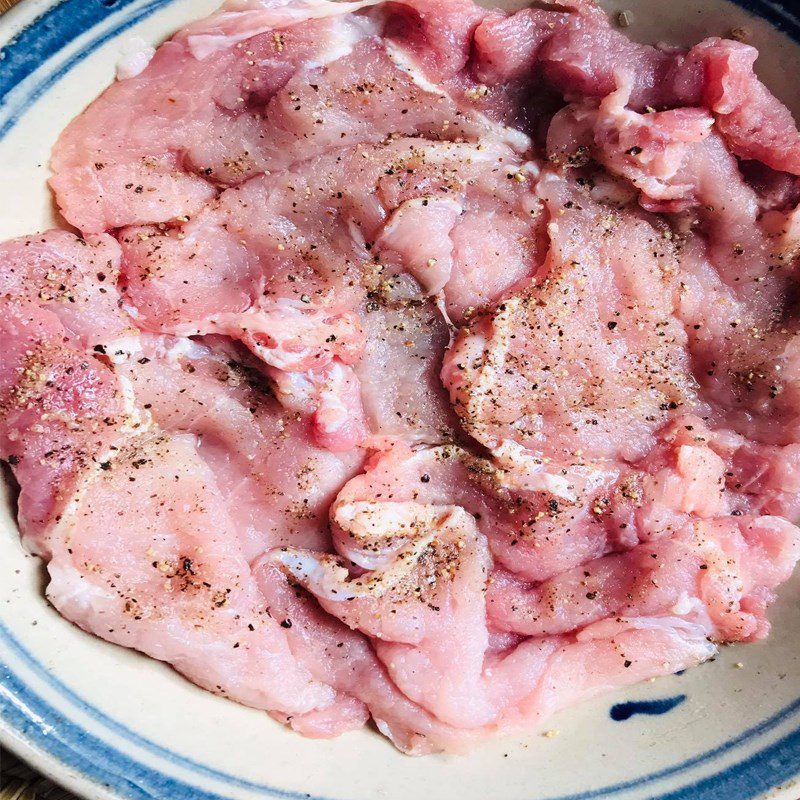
414,361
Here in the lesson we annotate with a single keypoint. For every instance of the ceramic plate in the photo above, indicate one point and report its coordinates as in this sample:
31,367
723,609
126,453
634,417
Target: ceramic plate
109,723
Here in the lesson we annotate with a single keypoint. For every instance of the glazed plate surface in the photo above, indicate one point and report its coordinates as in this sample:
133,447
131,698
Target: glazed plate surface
109,723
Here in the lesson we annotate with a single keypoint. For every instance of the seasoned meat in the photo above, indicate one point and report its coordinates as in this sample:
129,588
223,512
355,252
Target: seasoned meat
414,362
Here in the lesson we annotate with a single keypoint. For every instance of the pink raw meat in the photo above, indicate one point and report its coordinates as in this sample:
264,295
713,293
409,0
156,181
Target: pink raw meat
416,362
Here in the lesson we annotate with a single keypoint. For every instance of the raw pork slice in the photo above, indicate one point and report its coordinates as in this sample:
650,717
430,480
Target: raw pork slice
414,361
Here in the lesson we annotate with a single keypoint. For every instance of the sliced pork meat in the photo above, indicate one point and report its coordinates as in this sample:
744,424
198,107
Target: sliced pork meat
719,569
752,121
415,362
416,585
181,589
60,408
406,402
76,280
602,359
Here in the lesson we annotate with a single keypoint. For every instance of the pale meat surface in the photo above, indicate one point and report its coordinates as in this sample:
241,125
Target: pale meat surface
414,362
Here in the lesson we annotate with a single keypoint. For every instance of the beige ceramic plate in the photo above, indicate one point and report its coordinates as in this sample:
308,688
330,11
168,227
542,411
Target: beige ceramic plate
112,724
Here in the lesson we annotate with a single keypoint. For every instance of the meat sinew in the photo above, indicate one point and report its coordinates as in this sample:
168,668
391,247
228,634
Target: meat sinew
414,361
